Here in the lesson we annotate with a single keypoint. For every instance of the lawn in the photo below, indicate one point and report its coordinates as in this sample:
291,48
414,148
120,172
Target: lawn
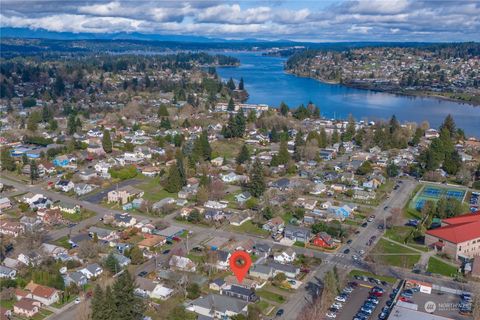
77,217
271,296
250,228
7,304
154,190
63,242
228,149
398,233
263,305
386,252
437,266
368,274
60,304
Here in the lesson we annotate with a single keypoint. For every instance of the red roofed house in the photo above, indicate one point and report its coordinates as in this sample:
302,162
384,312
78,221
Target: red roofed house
45,295
457,237
323,240
26,307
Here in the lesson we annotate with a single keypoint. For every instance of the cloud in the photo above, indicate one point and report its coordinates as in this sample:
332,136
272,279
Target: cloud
392,20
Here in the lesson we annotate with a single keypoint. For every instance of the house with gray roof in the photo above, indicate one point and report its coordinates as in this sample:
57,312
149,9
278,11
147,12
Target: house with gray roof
6,272
76,278
217,306
297,233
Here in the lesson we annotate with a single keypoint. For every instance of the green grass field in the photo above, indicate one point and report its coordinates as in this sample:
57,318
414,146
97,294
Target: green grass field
77,217
250,228
271,296
154,190
386,252
437,266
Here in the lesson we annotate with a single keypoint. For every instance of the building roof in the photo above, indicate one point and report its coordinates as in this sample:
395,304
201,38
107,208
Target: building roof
459,229
41,291
26,304
464,218
220,303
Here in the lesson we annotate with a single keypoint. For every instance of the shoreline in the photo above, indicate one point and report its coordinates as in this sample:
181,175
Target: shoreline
425,94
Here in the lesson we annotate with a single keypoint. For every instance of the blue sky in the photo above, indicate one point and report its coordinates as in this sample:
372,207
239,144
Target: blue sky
316,21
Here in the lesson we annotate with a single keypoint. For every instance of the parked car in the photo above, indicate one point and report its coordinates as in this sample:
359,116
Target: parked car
331,315
280,312
346,251
142,274
349,241
340,299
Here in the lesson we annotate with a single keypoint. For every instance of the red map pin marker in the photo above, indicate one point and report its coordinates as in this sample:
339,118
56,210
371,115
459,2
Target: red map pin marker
240,262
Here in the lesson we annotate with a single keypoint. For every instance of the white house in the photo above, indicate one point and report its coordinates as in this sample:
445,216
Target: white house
286,256
64,185
83,188
45,295
218,306
6,272
92,270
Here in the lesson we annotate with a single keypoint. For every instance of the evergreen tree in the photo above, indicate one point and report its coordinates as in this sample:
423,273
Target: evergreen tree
335,136
128,305
98,304
283,155
299,142
449,124
109,308
284,109
252,116
107,141
316,113
174,180
33,171
243,155
112,264
165,124
257,184
71,124
231,105
241,85
186,124
350,130
323,139
392,169
274,136
240,124
136,255
6,160
231,84
163,111
201,148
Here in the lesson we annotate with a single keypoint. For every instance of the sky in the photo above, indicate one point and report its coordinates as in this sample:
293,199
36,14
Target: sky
314,21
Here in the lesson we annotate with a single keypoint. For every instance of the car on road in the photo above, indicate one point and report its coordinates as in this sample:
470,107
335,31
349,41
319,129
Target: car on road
355,257
361,252
348,289
143,274
346,251
77,300
385,208
166,251
337,305
380,227
280,312
349,241
357,231
292,282
331,315
364,225
340,299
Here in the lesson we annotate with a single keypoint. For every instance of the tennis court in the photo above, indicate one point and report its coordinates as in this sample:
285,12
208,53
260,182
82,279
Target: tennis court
434,193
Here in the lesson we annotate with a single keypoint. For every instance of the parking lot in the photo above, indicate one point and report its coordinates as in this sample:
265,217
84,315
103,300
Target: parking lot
358,297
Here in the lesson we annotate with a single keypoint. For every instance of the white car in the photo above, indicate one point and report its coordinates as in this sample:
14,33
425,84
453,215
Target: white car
340,299
77,300
361,252
337,305
331,315
355,257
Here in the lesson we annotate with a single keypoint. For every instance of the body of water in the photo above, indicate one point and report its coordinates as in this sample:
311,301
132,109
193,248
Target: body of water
266,82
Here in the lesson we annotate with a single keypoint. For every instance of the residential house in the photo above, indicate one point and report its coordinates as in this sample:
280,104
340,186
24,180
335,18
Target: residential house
217,162
239,293
92,270
274,225
323,240
261,271
148,288
243,197
170,232
124,194
289,270
363,195
286,256
124,220
150,171
214,215
248,283
151,241
239,218
87,174
218,306
61,161
215,205
216,284
182,264
83,188
44,294
11,228
26,307
51,217
66,207
5,204
31,223
188,191
102,233
282,184
162,203
77,278
297,233
122,260
30,258
6,272
223,259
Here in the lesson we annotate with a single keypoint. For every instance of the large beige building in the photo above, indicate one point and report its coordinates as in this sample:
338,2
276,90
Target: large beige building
458,237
